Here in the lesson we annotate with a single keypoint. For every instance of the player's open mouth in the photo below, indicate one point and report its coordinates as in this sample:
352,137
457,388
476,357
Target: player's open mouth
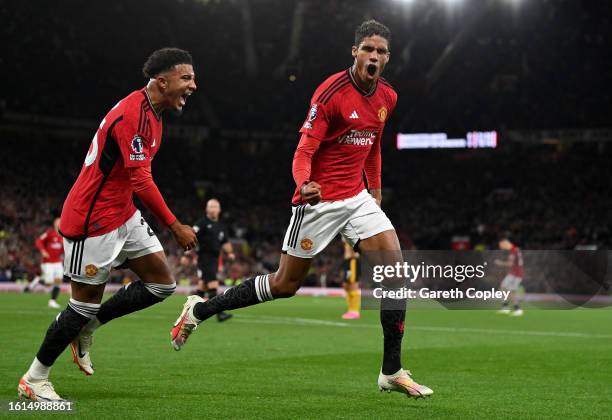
184,97
372,68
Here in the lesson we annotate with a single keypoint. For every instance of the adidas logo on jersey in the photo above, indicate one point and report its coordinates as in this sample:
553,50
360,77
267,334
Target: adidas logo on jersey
354,115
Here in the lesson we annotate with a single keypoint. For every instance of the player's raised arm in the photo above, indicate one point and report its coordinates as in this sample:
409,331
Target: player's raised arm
302,164
372,168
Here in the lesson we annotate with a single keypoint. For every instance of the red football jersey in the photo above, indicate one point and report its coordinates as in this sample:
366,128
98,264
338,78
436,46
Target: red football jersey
51,242
517,262
349,123
101,198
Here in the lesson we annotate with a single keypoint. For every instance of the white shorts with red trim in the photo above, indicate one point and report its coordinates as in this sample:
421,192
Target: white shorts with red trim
92,259
312,228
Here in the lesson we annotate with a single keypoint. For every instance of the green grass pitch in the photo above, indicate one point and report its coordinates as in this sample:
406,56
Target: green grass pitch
297,359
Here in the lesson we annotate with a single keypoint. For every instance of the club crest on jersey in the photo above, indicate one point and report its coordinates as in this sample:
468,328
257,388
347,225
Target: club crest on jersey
382,114
137,148
306,244
91,270
312,115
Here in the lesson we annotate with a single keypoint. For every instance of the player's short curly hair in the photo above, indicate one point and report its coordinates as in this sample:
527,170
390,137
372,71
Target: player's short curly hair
164,59
370,28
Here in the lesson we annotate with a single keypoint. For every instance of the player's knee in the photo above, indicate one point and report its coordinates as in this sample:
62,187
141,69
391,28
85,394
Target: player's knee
86,310
161,291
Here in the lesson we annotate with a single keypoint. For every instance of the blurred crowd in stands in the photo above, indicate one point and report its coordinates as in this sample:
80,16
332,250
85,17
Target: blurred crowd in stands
542,64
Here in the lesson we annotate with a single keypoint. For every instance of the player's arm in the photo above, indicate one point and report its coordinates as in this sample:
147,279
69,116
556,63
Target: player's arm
39,243
302,164
135,151
147,191
372,169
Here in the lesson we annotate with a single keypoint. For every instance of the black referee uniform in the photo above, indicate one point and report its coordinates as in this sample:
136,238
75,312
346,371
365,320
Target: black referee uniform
211,237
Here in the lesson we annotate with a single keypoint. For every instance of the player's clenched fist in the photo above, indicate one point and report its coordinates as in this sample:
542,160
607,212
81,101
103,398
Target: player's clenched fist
184,235
311,193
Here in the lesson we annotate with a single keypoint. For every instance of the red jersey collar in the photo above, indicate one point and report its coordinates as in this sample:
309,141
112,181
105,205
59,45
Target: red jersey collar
146,94
356,86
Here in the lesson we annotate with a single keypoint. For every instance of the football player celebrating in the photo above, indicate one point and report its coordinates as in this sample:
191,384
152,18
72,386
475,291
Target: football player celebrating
340,140
102,228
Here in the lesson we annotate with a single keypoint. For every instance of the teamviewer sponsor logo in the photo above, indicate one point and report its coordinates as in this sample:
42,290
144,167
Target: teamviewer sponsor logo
359,138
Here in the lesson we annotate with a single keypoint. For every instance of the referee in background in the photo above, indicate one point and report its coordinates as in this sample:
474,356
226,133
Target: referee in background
212,238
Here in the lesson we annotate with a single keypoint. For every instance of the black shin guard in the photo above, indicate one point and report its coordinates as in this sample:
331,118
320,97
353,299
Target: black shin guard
55,292
60,333
248,293
133,297
392,322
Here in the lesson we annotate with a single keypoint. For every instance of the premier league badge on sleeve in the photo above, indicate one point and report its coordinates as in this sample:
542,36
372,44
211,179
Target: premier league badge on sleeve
137,148
312,114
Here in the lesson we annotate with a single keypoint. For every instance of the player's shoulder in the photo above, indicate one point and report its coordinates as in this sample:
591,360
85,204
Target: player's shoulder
135,104
388,90
330,87
129,110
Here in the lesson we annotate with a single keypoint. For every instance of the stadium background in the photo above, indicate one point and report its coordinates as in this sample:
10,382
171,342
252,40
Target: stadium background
537,72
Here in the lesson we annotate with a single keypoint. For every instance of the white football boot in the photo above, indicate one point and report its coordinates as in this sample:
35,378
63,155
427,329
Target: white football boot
402,382
185,324
37,390
80,352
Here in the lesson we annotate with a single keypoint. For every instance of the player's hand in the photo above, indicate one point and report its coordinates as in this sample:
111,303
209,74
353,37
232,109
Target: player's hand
231,256
184,235
377,195
45,254
311,193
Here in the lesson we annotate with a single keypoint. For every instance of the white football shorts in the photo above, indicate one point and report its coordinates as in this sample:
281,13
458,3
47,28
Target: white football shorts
92,259
511,282
51,272
312,228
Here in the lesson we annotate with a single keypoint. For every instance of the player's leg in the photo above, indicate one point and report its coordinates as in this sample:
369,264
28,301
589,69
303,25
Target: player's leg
282,284
211,287
351,288
310,230
201,288
208,269
384,248
31,285
156,283
57,275
370,230
514,297
505,286
83,306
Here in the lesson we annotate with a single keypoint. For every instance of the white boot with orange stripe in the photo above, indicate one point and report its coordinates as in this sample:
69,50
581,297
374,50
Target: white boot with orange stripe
37,390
